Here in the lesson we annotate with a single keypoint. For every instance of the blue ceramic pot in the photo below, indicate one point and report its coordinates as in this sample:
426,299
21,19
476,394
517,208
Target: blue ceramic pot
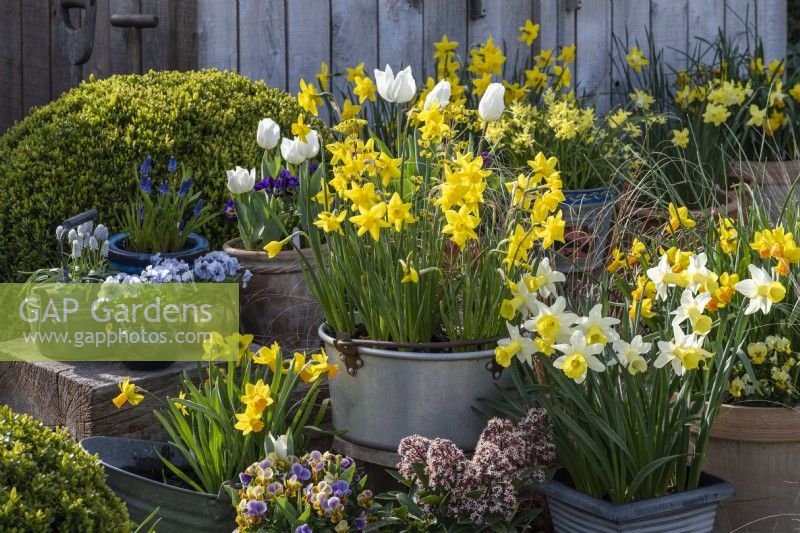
588,214
134,262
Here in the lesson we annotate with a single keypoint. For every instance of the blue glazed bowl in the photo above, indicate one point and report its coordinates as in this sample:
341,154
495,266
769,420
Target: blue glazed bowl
134,262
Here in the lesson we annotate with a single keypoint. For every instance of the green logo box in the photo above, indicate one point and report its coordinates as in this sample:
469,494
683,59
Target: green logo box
116,322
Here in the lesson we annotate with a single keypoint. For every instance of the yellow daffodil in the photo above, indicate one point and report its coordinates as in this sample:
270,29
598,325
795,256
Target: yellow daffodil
324,76
410,274
365,89
273,248
535,79
758,116
680,138
350,110
330,222
728,237
300,128
268,356
371,220
308,97
794,92
249,421
399,213
528,32
481,83
257,396
567,54
520,243
388,168
641,99
618,260
461,225
444,49
716,114
679,218
362,196
356,73
179,406
636,59
127,394
552,231
544,59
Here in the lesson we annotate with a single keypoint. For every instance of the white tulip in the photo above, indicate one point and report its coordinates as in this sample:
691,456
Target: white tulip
293,150
492,105
398,89
439,94
240,180
311,146
268,134
280,445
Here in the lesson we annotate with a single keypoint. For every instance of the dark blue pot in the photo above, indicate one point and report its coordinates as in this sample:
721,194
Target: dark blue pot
135,262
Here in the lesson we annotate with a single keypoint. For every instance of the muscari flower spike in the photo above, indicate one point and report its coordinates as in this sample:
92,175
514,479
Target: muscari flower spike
172,165
146,165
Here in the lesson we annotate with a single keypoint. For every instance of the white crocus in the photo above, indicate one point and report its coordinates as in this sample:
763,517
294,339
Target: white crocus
552,322
492,104
241,180
630,354
597,328
439,95
546,278
268,134
578,357
397,89
514,345
684,352
762,290
691,309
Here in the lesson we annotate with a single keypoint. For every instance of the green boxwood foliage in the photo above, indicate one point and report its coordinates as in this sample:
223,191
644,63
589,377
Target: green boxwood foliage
48,483
81,150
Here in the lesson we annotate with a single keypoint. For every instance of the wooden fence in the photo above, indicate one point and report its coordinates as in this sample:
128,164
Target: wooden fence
282,41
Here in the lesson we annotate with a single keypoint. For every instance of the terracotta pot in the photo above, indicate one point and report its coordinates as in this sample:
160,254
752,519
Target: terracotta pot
757,449
771,180
277,304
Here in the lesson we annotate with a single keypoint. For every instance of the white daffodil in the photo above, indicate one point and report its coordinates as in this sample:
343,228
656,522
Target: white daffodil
578,357
630,354
546,279
684,352
551,322
661,275
691,309
597,328
514,345
762,290
697,273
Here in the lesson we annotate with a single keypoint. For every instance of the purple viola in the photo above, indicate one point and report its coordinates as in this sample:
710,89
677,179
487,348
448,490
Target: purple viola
302,473
256,507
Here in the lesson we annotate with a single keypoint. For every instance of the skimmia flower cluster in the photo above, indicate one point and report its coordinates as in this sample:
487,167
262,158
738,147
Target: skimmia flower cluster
509,456
215,267
315,492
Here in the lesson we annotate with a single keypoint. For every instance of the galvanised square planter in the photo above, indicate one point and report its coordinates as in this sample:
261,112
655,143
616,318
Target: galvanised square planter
693,511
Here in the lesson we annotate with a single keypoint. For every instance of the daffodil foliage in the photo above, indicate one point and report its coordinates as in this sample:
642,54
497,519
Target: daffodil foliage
634,383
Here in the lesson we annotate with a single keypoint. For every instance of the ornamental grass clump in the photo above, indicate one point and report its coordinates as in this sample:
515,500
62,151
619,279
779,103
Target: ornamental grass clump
48,483
635,381
415,219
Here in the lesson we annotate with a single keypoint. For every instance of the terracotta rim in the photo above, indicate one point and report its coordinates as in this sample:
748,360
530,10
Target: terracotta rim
258,261
757,424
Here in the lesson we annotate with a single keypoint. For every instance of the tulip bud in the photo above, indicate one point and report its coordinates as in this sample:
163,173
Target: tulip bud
492,105
439,94
240,180
311,146
268,134
399,89
293,150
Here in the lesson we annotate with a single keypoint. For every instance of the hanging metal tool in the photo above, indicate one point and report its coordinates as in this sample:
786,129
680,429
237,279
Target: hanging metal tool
76,41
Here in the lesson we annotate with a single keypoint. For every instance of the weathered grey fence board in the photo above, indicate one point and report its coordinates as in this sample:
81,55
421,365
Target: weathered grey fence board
630,21
399,30
125,44
262,41
217,41
284,41
593,50
308,42
354,30
36,52
10,64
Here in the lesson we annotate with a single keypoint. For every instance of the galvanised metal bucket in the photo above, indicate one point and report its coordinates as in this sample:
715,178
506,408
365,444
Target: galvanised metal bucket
692,511
131,464
396,394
